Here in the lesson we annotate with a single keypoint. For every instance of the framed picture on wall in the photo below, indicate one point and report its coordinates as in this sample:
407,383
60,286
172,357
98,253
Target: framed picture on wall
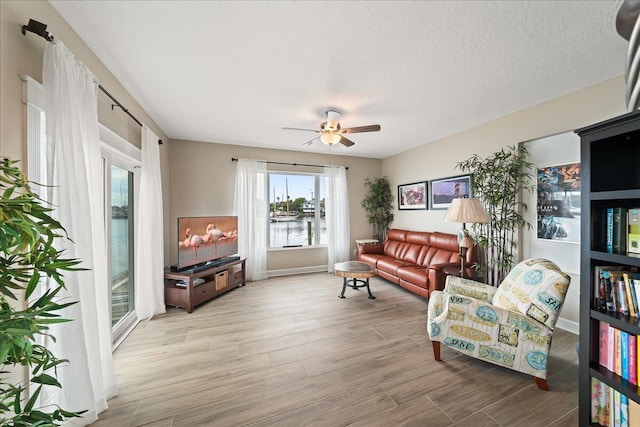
558,202
444,190
412,196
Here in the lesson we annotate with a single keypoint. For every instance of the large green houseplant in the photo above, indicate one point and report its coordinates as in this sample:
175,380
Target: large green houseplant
27,305
378,205
498,181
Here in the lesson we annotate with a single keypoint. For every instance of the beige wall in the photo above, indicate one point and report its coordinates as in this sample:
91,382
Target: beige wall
23,55
438,159
203,180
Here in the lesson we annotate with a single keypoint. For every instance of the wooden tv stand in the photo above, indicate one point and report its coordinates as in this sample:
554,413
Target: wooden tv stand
217,280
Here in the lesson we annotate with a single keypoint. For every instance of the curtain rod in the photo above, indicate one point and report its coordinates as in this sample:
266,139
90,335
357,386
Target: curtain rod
41,29
234,159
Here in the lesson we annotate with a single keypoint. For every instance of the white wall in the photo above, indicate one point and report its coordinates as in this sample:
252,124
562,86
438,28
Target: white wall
553,150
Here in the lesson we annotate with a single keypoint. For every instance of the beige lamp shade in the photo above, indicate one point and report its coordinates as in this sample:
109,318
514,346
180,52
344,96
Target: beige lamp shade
466,210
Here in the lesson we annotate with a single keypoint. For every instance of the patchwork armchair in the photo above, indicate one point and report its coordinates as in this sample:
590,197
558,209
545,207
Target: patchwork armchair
511,325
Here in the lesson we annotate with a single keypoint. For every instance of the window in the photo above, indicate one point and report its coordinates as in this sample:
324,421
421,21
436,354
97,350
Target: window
296,210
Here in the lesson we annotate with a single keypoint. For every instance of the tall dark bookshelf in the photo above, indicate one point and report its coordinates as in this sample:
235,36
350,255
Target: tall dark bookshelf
610,156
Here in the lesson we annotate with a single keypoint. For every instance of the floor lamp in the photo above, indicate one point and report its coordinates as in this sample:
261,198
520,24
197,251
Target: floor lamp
465,210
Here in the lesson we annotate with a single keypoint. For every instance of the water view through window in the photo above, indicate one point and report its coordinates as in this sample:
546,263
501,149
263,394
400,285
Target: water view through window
121,243
296,210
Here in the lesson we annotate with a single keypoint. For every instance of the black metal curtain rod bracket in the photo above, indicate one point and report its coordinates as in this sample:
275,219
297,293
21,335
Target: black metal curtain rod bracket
41,29
37,28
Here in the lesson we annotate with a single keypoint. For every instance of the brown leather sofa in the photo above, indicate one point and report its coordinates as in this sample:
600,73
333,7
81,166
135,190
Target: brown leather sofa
415,259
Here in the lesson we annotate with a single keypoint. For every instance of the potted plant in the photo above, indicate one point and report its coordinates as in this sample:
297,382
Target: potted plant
28,305
498,182
378,204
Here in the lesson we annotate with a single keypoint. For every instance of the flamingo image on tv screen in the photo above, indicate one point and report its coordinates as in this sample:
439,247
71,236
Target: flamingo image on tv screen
203,239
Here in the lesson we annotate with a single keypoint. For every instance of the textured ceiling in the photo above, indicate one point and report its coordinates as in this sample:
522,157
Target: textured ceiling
237,72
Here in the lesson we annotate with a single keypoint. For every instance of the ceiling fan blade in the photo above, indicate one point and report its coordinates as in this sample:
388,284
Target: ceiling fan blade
308,130
346,142
310,142
369,128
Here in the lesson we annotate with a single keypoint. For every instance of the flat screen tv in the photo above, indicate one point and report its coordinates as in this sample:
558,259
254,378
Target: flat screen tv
204,239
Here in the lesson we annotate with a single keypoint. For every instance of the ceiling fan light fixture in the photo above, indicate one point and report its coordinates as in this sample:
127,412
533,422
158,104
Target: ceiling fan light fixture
329,138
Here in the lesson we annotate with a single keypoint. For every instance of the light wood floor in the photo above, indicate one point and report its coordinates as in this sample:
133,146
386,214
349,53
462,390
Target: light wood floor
288,352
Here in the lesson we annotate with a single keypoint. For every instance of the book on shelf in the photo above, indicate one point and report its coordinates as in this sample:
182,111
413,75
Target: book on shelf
611,414
627,289
595,399
628,283
617,345
619,244
633,359
616,409
609,230
633,237
624,410
622,294
624,354
634,413
610,348
604,345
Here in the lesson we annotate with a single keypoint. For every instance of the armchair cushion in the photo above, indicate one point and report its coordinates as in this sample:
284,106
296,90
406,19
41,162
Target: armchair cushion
535,288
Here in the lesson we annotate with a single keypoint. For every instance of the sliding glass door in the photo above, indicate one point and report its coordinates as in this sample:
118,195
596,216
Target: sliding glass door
120,194
121,243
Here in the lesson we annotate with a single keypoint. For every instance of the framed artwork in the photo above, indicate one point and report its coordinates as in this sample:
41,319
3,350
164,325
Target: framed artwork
558,202
412,196
444,190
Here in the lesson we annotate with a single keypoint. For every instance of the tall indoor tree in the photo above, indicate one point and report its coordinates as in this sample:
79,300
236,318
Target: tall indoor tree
378,204
498,181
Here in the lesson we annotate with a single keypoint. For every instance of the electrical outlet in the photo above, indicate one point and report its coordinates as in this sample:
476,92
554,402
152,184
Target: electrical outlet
355,252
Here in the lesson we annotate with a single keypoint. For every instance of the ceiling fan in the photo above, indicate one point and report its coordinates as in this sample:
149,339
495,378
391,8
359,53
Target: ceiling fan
332,133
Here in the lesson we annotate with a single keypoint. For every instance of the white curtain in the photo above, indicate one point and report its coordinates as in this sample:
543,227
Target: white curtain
74,170
250,205
149,290
337,215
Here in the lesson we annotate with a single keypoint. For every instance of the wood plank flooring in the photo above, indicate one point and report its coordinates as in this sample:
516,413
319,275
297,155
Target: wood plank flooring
288,352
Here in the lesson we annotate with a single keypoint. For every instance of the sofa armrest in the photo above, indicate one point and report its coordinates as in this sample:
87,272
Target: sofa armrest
437,275
375,248
470,288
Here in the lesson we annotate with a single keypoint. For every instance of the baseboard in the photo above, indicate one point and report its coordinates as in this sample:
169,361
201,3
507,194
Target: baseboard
300,270
568,325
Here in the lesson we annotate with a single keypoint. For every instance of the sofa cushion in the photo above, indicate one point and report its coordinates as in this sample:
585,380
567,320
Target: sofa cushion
417,275
412,253
371,259
391,265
